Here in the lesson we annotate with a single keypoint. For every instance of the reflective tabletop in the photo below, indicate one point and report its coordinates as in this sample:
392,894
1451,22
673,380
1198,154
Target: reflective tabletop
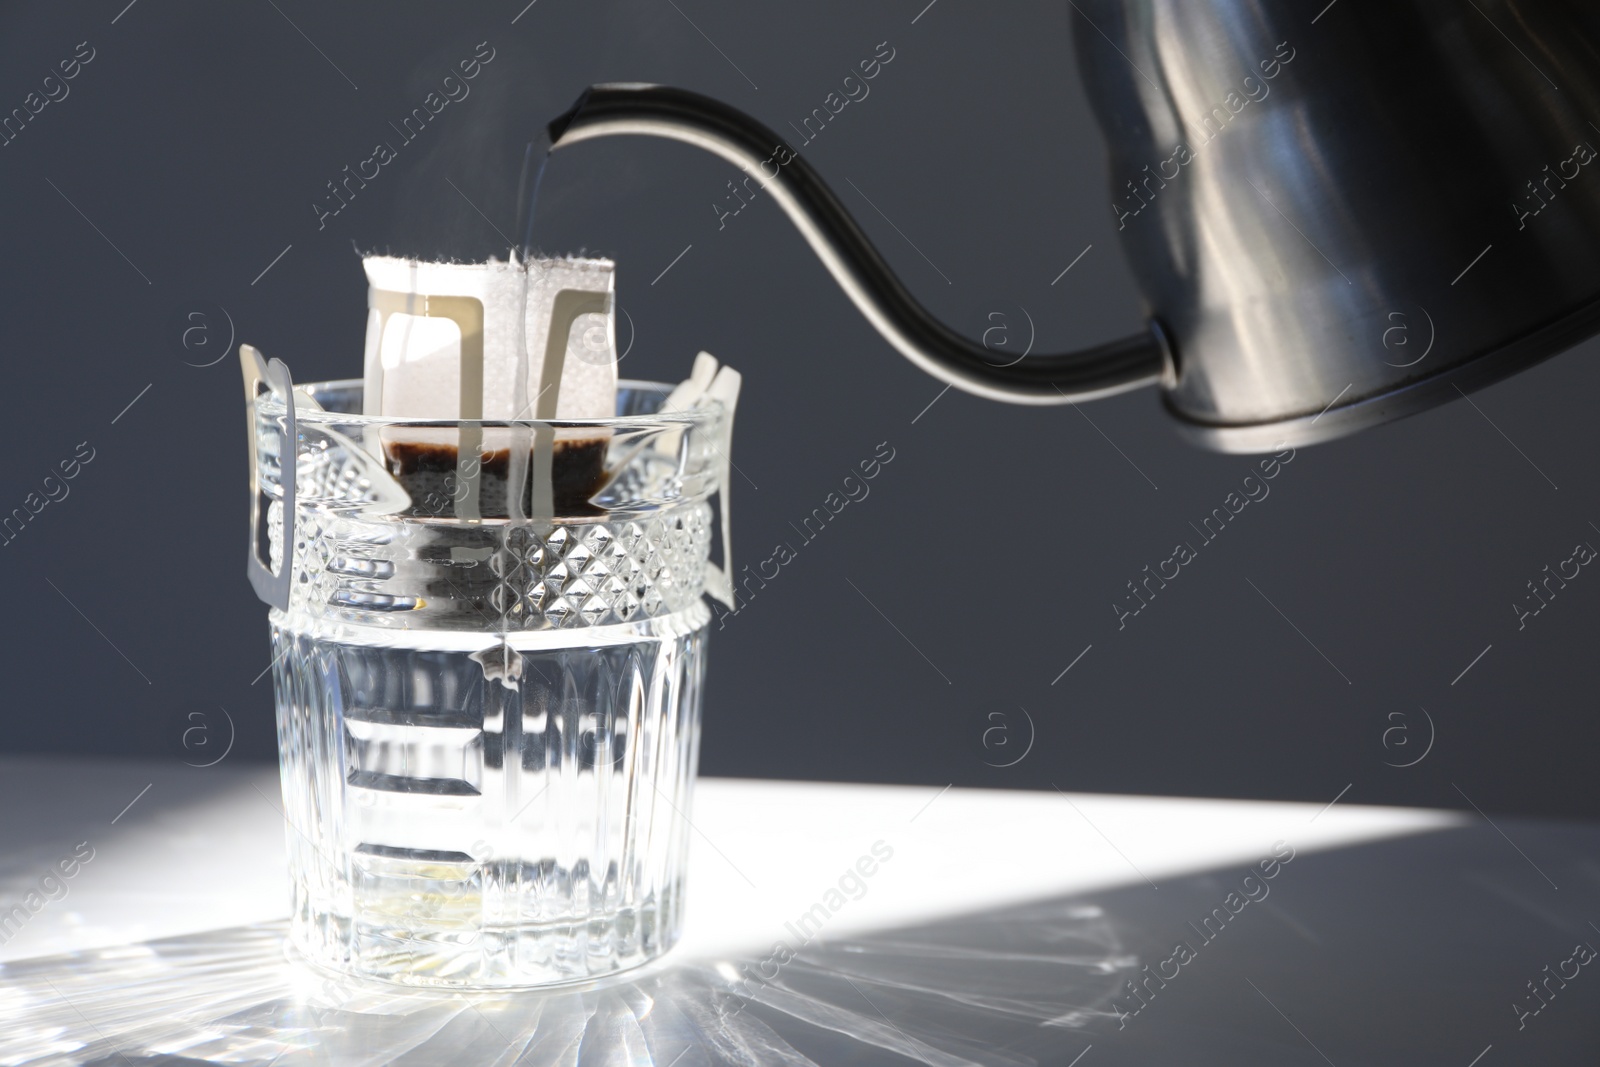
142,919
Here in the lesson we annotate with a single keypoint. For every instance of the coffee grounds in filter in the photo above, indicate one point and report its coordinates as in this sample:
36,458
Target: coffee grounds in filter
428,471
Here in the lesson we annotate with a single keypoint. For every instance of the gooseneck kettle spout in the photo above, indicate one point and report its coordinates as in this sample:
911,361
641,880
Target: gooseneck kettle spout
1336,219
679,115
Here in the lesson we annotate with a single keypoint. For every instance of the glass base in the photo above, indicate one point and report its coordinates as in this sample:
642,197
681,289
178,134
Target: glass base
394,948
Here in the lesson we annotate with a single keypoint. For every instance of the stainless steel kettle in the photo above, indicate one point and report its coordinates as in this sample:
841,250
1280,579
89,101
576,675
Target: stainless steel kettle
1337,218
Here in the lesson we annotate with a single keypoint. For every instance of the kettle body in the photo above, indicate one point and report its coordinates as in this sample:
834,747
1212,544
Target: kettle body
1346,217
1336,218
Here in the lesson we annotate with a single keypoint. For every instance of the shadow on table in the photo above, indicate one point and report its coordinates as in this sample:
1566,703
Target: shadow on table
1409,951
950,994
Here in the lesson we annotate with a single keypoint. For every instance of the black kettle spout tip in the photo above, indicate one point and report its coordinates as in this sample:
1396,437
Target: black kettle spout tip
561,123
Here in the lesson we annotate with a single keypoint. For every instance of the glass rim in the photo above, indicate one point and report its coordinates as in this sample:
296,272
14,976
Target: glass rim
704,413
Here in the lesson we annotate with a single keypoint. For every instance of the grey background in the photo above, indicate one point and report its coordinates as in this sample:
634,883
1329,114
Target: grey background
921,633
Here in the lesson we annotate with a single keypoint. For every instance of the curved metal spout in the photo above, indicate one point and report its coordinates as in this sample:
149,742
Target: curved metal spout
660,111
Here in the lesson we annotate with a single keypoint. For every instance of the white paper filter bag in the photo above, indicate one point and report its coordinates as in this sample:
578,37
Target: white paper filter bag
446,340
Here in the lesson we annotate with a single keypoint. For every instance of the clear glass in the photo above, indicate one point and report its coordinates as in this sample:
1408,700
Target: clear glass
489,722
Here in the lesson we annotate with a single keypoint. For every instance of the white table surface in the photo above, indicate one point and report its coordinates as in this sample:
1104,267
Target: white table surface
1003,931
202,849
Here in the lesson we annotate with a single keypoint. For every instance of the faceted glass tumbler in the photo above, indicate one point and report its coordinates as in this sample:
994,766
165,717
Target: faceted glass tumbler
488,719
